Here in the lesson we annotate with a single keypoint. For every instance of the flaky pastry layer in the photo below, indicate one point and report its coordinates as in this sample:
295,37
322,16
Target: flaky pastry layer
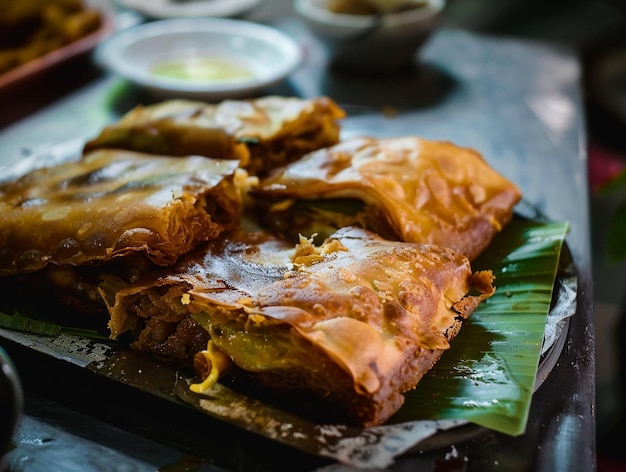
114,203
407,188
356,322
261,133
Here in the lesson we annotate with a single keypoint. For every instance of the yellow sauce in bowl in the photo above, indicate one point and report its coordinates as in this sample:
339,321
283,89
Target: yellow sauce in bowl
204,69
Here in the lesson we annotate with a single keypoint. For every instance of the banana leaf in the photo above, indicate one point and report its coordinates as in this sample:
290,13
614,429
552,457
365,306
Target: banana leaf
488,375
486,378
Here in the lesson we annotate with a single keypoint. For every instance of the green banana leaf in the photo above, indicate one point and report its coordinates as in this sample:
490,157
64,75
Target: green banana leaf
487,377
488,374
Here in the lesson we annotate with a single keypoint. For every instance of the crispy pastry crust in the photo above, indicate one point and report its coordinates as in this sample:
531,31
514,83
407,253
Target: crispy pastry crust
115,203
262,133
356,323
412,189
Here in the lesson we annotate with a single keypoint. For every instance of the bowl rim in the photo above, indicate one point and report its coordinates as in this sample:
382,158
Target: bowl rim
108,55
310,10
190,8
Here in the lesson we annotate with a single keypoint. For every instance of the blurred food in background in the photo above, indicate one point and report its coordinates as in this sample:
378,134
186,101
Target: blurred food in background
373,7
30,29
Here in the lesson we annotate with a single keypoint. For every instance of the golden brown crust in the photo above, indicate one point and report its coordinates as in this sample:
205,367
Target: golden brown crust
357,328
413,189
261,133
115,203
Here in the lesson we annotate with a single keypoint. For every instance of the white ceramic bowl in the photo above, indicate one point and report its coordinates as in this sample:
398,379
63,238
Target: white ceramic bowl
201,58
161,9
384,41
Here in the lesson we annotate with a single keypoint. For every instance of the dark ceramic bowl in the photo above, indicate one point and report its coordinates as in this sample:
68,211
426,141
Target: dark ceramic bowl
11,402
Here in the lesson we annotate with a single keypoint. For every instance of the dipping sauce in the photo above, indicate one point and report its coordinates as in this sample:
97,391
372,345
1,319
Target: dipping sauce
204,69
